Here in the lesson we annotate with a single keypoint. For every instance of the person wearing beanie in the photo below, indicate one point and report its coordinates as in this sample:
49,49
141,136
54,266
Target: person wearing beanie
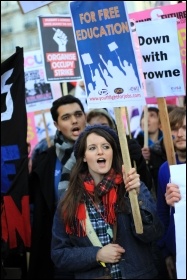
102,116
93,233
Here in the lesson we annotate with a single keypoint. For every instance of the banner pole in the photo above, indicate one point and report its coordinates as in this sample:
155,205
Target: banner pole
46,130
127,164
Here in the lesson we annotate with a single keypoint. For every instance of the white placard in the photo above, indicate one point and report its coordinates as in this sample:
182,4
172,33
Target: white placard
178,176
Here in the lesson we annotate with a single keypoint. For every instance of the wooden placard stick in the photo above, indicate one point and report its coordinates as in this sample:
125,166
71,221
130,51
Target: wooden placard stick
181,101
145,126
46,130
64,88
128,122
129,129
40,111
168,142
127,164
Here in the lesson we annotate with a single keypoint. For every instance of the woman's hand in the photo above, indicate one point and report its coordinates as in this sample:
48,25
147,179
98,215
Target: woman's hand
110,253
131,180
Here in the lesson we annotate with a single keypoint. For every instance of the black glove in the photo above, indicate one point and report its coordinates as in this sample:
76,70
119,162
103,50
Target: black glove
135,151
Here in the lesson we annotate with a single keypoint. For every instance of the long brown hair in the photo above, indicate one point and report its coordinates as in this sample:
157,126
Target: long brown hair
75,191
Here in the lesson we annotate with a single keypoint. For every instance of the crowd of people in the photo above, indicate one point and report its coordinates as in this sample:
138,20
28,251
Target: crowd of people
81,215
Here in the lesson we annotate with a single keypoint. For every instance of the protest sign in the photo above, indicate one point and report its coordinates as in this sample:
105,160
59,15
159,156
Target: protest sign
106,53
39,95
58,48
160,82
40,126
180,218
109,65
162,68
161,60
168,11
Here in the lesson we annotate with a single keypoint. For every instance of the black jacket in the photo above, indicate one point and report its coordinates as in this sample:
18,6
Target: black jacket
43,202
157,158
138,161
41,185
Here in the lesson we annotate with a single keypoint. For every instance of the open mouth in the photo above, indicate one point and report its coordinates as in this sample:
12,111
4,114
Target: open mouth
75,131
101,161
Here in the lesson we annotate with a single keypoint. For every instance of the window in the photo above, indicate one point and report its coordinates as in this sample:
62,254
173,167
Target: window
8,46
6,27
4,4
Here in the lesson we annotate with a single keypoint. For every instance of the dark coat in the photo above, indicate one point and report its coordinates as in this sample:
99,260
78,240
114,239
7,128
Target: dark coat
42,191
43,203
78,255
157,158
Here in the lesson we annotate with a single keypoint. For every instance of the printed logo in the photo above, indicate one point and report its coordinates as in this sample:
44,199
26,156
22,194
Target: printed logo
118,90
133,89
176,89
103,91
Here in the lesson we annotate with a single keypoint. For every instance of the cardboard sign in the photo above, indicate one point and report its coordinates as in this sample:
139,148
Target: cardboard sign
106,53
59,49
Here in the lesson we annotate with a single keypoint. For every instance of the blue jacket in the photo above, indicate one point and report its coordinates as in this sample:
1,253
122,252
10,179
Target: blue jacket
166,213
78,255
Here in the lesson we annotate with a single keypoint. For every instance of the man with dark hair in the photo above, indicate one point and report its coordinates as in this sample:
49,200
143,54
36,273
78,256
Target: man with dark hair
47,181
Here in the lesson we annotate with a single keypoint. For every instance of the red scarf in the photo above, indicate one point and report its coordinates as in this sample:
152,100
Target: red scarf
107,189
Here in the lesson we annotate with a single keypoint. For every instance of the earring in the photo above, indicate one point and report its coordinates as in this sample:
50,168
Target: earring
84,159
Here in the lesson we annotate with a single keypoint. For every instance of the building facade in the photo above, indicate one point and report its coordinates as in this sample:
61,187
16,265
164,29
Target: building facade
19,29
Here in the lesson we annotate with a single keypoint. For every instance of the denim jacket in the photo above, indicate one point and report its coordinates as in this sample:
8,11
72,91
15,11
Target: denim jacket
78,255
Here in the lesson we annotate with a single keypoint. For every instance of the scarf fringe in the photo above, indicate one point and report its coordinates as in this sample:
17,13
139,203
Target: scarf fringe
108,191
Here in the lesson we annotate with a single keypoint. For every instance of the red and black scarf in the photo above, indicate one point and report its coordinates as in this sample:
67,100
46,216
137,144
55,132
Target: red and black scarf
107,189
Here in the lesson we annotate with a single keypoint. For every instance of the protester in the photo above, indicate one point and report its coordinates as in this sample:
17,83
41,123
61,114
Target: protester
154,131
101,116
46,184
154,134
177,119
50,174
157,155
95,205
